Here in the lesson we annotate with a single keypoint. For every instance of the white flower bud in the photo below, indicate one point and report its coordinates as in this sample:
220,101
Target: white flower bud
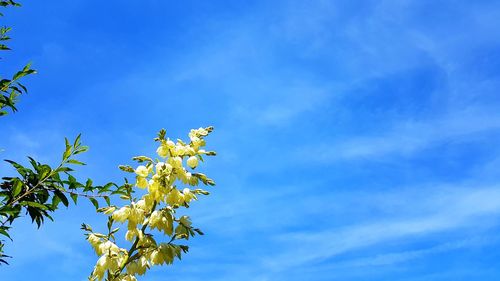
142,171
162,151
192,162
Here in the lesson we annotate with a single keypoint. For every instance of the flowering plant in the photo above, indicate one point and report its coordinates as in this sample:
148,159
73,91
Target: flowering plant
154,212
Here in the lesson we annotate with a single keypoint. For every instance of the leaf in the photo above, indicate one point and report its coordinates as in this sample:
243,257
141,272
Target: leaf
184,248
161,135
210,153
62,197
106,198
23,87
74,196
64,169
197,230
5,233
81,149
88,184
141,159
11,211
44,171
86,227
55,202
126,168
34,205
17,187
94,202
67,151
77,141
76,162
33,163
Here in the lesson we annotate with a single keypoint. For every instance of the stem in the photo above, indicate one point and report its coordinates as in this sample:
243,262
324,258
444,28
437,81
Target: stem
29,191
83,194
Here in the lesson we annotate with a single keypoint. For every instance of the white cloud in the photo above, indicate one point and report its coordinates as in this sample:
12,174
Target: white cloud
405,138
399,257
451,209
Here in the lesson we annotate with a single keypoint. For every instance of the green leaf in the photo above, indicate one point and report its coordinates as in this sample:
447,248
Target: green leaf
55,202
5,233
62,197
11,211
17,187
86,227
34,205
64,169
76,162
74,196
126,168
33,163
81,149
198,231
141,159
210,153
67,151
106,198
88,184
94,202
77,141
44,171
161,135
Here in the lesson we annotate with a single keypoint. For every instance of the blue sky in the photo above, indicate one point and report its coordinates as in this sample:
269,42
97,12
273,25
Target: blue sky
357,140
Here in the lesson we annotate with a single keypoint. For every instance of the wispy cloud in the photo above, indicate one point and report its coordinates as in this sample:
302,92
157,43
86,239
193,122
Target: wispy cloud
456,209
405,138
400,257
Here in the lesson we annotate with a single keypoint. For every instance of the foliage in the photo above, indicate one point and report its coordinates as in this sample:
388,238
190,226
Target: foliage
155,211
11,89
40,189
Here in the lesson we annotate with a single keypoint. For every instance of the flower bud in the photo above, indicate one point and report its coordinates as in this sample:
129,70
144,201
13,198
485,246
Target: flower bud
142,171
192,162
162,151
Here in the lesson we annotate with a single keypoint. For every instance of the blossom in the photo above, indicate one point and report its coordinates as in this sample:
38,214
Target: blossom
192,162
155,210
142,171
121,214
162,151
141,182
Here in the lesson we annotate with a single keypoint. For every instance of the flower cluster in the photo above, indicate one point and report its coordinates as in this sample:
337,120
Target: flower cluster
154,211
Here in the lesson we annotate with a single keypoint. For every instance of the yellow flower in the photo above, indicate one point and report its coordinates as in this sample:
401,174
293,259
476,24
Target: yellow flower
156,209
188,195
131,234
142,171
174,197
202,132
94,242
162,151
129,278
192,162
122,214
156,257
108,246
141,182
176,162
170,144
